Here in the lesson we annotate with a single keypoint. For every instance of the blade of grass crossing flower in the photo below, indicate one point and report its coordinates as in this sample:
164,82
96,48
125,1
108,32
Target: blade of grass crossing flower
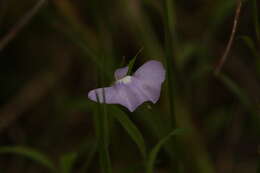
105,121
131,129
104,145
97,119
104,159
101,123
67,161
132,62
104,152
30,154
153,154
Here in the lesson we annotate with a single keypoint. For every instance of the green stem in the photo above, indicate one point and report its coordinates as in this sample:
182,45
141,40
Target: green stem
101,122
102,130
169,30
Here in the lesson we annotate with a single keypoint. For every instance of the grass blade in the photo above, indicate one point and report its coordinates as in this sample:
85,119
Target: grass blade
170,44
132,62
250,44
142,28
67,161
131,129
236,90
104,159
153,154
101,124
30,154
90,157
169,31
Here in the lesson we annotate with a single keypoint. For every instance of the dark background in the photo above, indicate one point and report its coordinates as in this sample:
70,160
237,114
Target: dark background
54,60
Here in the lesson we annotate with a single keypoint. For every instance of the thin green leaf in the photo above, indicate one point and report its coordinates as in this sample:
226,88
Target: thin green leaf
250,44
30,154
102,129
222,10
104,160
131,129
132,62
90,156
101,124
236,90
141,26
169,34
67,161
171,45
153,154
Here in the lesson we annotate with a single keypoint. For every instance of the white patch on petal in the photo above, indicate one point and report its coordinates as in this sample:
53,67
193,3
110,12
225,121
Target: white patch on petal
125,80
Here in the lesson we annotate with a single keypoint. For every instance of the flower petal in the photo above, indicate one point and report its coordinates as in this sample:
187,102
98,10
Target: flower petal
121,72
151,76
110,94
127,95
130,96
144,85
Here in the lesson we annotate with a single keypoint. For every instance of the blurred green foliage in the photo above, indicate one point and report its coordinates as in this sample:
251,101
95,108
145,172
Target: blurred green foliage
70,47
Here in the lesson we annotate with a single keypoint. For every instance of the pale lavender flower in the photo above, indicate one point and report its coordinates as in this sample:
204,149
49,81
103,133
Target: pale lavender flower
131,91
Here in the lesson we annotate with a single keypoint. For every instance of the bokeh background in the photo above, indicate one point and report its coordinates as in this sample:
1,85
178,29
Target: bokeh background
68,47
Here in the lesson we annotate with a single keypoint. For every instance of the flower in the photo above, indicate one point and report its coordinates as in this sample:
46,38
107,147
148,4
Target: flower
131,91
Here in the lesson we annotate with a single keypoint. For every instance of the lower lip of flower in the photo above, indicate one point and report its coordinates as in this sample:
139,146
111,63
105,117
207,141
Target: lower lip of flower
125,80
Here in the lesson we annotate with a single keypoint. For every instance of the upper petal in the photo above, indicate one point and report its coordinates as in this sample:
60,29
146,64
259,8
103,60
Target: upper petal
152,74
121,72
